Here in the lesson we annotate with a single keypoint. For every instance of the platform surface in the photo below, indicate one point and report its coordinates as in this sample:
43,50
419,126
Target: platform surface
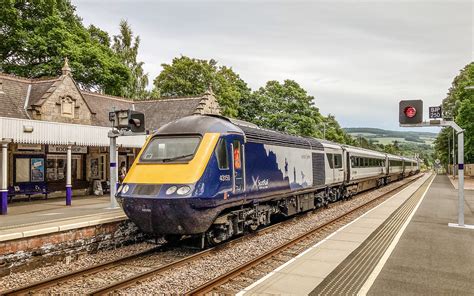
431,258
25,219
314,268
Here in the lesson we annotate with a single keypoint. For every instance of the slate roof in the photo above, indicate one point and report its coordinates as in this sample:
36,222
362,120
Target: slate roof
14,90
101,105
13,93
160,112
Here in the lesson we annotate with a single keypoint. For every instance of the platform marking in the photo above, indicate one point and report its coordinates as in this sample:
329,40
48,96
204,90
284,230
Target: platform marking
247,289
50,214
378,268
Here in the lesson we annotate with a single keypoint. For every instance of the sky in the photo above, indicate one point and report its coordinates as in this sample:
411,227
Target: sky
358,59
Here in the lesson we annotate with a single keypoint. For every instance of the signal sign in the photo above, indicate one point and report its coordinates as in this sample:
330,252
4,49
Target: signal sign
410,112
436,112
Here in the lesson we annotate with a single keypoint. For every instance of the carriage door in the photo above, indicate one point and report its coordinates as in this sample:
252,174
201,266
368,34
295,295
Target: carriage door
338,167
238,165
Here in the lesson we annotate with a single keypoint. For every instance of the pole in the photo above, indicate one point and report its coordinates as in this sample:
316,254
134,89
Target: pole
454,156
68,176
449,154
113,170
461,178
4,185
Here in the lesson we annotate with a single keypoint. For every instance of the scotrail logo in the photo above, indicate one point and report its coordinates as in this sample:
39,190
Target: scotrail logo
259,184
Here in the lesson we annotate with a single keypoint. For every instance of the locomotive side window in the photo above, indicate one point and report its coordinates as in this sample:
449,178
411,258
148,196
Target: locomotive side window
337,161
221,154
330,160
237,155
170,149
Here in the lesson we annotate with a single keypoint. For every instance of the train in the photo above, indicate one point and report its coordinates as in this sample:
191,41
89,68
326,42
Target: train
214,177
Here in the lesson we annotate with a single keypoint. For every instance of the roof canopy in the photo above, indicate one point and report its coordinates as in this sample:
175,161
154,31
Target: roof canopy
44,132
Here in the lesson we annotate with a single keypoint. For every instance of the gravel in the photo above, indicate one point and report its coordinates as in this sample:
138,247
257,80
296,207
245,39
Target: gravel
18,279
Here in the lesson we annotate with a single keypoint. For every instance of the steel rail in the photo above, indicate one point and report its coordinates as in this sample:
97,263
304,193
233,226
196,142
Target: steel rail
224,278
76,273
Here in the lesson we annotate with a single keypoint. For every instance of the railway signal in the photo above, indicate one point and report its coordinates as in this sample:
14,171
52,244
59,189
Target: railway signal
128,120
411,115
124,123
410,111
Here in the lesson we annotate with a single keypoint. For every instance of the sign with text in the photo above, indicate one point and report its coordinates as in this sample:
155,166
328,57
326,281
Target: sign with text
63,149
436,112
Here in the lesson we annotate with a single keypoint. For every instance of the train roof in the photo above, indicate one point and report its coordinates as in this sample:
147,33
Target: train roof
201,124
198,124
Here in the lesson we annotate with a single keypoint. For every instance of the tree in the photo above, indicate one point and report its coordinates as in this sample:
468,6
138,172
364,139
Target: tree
126,47
192,77
37,36
459,105
284,107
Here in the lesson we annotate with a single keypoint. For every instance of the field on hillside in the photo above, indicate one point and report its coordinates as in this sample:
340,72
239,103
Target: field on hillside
381,136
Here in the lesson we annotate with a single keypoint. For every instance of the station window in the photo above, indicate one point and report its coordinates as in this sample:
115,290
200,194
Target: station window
337,161
221,155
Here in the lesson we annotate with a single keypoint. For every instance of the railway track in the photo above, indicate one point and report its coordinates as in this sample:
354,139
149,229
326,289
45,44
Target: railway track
155,270
214,285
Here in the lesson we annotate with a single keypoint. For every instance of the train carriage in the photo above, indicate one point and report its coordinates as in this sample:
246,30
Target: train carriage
216,177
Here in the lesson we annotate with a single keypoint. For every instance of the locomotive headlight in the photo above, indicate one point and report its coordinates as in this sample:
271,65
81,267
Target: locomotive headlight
120,188
183,190
125,189
171,190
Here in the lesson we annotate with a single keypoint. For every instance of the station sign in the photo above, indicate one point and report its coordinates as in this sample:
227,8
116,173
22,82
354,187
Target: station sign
63,149
436,112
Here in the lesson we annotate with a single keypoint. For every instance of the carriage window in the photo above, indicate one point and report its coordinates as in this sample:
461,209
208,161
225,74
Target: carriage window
170,149
221,155
337,161
330,161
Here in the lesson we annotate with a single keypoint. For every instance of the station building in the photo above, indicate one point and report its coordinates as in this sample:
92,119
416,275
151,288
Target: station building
40,118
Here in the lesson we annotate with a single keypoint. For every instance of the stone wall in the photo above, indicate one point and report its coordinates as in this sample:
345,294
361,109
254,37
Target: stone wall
65,96
28,253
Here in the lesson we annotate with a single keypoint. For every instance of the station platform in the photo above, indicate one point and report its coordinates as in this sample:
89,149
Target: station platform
401,247
28,219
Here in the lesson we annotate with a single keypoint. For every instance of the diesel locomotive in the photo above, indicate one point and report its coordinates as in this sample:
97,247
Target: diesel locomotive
215,177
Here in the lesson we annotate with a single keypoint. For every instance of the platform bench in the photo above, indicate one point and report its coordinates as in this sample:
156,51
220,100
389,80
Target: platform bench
28,189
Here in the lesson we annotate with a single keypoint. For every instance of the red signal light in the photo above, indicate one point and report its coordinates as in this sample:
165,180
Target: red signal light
410,111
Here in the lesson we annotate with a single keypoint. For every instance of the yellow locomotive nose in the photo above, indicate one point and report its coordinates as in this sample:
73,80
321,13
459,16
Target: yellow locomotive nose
159,163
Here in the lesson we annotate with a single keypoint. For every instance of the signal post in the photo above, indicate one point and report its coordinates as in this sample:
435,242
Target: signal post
411,115
124,123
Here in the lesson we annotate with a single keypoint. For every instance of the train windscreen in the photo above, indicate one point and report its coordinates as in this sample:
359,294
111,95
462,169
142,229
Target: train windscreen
170,149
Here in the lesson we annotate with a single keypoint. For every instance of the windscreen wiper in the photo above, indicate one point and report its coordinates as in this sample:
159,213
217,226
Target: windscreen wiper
177,157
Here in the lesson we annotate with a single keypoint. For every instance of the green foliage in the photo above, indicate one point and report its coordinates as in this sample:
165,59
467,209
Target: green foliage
459,104
126,47
284,107
192,77
37,36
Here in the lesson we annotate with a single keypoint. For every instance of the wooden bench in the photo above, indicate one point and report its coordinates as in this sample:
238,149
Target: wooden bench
28,189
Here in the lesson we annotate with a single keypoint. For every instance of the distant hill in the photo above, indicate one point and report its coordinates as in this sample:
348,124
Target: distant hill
382,136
